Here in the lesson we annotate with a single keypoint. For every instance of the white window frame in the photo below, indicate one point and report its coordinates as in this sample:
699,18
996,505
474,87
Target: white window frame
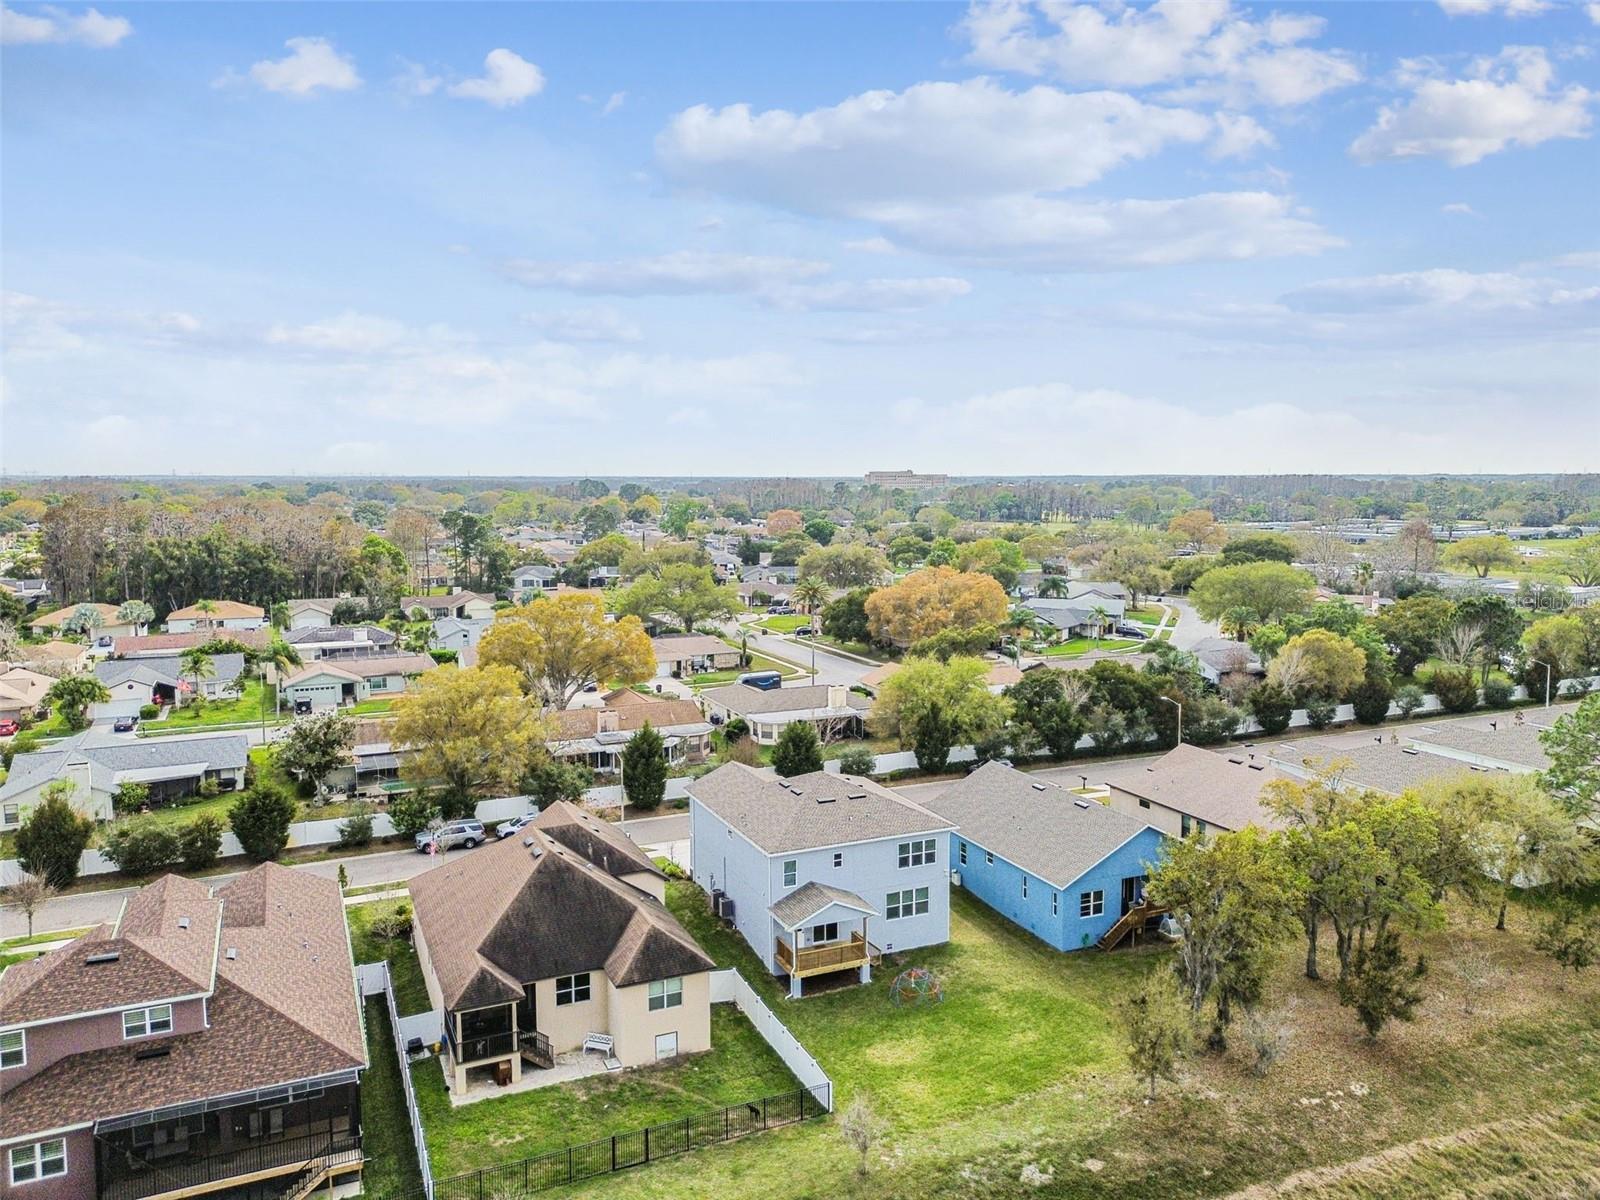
922,852
666,993
571,986
1091,904
826,932
1024,887
791,872
142,1022
10,815
907,902
40,1158
963,854
21,1048
988,858
1055,904
838,859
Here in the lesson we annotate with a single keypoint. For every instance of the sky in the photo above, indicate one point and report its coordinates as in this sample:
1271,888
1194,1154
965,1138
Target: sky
800,239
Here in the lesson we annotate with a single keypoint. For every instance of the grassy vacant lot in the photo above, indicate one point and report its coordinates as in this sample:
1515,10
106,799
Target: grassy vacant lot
739,1066
386,1133
410,993
1022,1066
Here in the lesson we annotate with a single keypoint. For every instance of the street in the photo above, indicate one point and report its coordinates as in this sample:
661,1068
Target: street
827,666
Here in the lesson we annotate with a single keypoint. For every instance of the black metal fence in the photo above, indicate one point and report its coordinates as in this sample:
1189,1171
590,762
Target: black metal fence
624,1150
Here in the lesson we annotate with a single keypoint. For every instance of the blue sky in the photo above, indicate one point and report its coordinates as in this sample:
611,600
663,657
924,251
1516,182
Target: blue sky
801,239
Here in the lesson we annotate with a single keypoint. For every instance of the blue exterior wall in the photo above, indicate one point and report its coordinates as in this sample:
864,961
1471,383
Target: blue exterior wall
999,885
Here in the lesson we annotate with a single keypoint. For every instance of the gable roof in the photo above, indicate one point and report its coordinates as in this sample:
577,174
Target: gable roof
529,908
113,759
811,898
1223,791
601,842
674,647
745,700
1001,674
572,724
364,667
1043,828
810,811
224,610
1380,766
445,600
313,635
1508,742
108,615
24,686
125,647
165,669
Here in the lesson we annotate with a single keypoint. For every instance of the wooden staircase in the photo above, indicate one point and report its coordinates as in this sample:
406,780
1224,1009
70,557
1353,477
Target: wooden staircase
1130,923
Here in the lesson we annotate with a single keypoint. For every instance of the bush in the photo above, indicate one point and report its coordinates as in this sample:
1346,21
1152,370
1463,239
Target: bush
1320,711
933,739
53,837
209,788
736,729
858,760
23,743
798,751
261,819
356,829
411,813
557,779
130,797
1408,698
1497,693
149,712
743,751
392,925
141,846
1371,700
644,769
200,842
1456,689
1271,706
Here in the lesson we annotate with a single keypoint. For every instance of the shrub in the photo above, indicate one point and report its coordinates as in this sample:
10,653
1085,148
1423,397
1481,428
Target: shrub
1320,711
23,743
53,837
1408,698
644,769
141,846
736,729
210,789
798,751
858,760
411,813
149,712
1371,700
1456,689
933,739
557,779
356,829
392,924
1497,693
743,751
261,818
200,842
1271,706
130,797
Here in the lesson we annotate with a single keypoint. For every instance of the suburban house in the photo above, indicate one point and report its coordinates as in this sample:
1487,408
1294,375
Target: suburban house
763,574
751,594
135,682
556,940
834,709
1069,870
822,873
1224,658
22,692
101,636
1378,765
29,591
99,763
725,566
163,645
458,633
374,760
54,657
1001,676
224,614
1193,791
340,641
325,684
682,654
207,1042
597,736
454,603
312,612
1083,616
526,581
600,575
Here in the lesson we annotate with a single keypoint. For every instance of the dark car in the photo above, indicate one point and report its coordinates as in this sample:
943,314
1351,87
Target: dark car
804,631
124,724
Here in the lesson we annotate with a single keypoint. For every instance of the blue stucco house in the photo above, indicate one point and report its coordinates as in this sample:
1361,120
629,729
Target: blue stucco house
1066,869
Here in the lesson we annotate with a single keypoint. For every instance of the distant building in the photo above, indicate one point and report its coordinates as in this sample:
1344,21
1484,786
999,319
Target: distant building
909,480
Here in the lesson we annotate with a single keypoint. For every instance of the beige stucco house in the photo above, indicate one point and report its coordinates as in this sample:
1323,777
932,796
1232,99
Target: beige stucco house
554,939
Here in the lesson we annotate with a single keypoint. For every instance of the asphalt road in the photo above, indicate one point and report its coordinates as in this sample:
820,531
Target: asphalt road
828,667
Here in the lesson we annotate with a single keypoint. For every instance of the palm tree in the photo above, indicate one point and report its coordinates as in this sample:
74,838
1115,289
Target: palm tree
280,656
1364,571
136,613
1101,616
279,618
1239,622
1053,585
197,665
417,638
207,610
810,594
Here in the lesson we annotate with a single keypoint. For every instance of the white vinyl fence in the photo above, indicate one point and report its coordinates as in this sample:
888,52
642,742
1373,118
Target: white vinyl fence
728,986
374,979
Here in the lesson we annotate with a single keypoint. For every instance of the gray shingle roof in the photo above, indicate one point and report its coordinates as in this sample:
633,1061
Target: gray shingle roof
1383,767
318,634
745,700
165,669
678,646
811,811
1510,742
805,902
1221,790
217,751
1041,827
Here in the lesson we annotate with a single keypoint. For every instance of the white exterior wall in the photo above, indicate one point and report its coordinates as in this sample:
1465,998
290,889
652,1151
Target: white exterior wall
310,618
722,859
190,624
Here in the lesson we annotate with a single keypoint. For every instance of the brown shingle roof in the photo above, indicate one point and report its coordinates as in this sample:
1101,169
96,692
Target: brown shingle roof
1223,791
108,614
122,647
573,723
601,842
222,610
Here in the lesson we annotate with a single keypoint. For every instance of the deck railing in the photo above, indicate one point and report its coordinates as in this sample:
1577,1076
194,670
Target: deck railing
819,959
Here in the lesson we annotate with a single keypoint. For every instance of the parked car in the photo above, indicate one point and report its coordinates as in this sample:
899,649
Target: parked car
506,828
124,724
804,631
9,728
451,835
765,680
781,610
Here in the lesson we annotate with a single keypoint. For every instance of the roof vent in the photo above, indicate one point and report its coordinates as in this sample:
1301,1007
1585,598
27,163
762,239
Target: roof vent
826,799
1237,761
527,841
1081,803
1038,787
1410,750
1257,767
183,922
156,1051
109,956
231,954
857,796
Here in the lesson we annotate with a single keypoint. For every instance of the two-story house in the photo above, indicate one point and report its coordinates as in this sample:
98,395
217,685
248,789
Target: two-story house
340,641
821,873
526,582
207,1041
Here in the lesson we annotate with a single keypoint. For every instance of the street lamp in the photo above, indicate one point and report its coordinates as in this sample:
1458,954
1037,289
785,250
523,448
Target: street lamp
1179,707
1547,673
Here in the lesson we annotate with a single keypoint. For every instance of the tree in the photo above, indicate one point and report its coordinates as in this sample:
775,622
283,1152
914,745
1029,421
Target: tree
470,734
1483,554
1456,689
689,593
1271,590
933,736
315,747
260,819
1239,623
141,846
644,769
1371,699
136,613
200,842
1271,706
195,662
1138,568
783,520
954,643
1408,697
53,836
810,594
1581,563
1381,987
555,779
84,620
1556,644
1159,1028
858,760
1413,627
1259,547
558,645
73,694
1198,529
1318,663
845,619
1570,935
1573,747
847,565
861,1128
959,690
933,599
1042,714
411,812
29,894
820,530
1528,840
798,752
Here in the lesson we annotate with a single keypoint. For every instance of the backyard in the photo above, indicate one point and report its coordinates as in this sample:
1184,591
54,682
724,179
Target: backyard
385,1130
410,993
1074,647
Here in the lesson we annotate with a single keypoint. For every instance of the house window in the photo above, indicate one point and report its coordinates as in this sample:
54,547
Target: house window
1055,904
905,903
838,858
572,989
1186,825
9,815
13,1049
988,858
666,993
378,683
42,1160
915,854
1091,904
825,933
1143,803
142,1022
791,872
1024,887
963,854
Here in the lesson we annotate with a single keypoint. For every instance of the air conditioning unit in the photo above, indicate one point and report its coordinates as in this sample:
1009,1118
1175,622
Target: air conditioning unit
722,906
955,878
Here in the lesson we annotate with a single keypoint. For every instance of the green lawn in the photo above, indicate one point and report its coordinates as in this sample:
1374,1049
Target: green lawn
385,1129
784,624
410,993
368,708
739,1066
758,662
1146,614
18,943
247,709
1074,647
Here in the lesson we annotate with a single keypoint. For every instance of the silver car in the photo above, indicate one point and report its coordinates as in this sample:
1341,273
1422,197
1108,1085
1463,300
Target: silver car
506,828
450,835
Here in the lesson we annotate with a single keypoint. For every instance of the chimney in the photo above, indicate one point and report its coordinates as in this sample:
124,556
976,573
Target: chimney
454,589
836,695
610,721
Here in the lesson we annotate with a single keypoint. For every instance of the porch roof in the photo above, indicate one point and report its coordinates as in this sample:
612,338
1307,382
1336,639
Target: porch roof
800,906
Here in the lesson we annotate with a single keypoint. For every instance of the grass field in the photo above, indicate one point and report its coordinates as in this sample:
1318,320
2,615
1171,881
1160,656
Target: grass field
252,701
758,662
385,1131
784,624
1074,647
1022,1066
410,993
739,1066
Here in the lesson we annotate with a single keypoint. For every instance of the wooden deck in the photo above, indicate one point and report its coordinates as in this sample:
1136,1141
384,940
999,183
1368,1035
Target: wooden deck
819,960
1130,924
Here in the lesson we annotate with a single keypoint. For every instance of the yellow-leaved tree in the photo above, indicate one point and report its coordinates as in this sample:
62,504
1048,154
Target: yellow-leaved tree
931,600
470,733
558,644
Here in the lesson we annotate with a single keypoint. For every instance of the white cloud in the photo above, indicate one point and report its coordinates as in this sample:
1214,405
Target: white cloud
89,28
598,324
1508,100
110,428
1411,289
312,64
613,102
1238,136
348,333
508,79
869,295
416,80
1459,209
871,245
1509,8
683,272
1593,9
1577,260
1206,46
